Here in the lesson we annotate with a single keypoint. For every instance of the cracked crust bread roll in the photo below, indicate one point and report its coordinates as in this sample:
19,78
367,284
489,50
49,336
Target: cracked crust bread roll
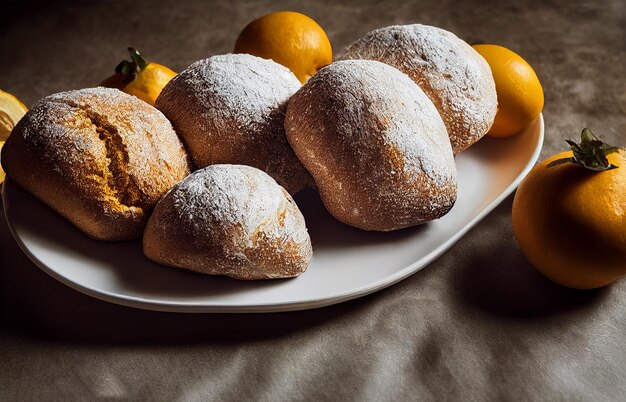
230,109
99,157
375,145
455,77
231,220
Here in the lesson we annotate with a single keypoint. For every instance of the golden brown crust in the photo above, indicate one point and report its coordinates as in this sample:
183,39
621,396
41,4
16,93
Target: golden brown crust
230,109
375,145
99,157
231,220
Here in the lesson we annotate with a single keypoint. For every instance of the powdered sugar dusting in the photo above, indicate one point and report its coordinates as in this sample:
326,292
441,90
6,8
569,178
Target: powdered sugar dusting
375,144
230,220
59,123
226,195
230,109
454,76
241,86
100,157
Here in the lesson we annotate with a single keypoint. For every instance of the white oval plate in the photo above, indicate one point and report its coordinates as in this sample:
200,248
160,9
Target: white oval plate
347,263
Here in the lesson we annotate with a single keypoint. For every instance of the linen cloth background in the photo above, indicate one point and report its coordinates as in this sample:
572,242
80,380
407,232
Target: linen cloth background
479,323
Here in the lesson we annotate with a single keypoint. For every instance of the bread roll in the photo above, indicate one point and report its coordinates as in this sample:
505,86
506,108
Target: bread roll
375,145
454,76
230,109
99,157
229,220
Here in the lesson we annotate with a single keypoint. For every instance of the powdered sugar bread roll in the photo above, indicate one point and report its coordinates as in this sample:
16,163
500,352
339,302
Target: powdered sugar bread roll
99,157
230,109
375,145
455,77
229,220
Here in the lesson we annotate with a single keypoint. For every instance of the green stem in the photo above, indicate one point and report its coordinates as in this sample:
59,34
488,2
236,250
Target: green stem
130,69
139,60
590,153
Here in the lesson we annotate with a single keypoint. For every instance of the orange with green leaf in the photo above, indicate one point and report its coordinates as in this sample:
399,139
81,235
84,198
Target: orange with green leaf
569,214
140,77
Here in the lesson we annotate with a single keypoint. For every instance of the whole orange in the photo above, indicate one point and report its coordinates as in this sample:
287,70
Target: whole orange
571,222
520,96
140,77
289,38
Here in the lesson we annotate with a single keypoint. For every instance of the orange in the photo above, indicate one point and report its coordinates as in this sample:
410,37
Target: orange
571,222
140,77
11,111
520,96
149,83
289,38
2,174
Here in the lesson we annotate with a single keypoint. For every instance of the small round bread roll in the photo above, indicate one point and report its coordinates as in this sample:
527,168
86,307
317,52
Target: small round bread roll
99,157
375,145
455,77
230,109
232,220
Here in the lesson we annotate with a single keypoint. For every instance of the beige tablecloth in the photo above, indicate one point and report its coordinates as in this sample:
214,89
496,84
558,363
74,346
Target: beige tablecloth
477,324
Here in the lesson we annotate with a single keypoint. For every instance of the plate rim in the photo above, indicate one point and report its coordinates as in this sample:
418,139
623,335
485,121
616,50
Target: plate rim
274,307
